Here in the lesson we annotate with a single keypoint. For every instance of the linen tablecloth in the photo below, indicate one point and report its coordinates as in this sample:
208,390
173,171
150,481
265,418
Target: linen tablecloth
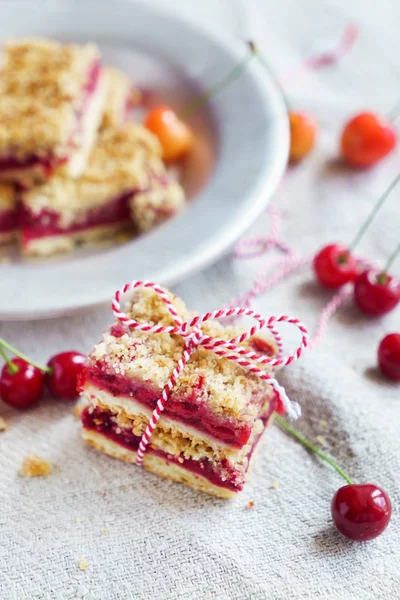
145,538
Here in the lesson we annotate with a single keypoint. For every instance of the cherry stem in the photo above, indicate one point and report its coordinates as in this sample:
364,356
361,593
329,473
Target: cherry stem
390,261
373,213
11,367
195,104
289,429
269,69
24,357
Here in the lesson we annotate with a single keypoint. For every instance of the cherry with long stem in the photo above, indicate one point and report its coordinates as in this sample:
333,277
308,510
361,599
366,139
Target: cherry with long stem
377,292
335,265
303,128
175,135
360,512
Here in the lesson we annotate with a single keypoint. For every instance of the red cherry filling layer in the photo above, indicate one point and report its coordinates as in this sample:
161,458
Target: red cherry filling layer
222,474
46,223
8,220
189,409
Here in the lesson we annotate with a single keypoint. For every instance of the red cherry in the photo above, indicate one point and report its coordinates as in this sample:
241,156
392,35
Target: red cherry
303,131
334,266
63,379
389,356
366,139
376,293
21,389
361,512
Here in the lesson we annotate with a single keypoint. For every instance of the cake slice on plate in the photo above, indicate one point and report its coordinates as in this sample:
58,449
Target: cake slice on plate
213,419
63,213
8,213
51,103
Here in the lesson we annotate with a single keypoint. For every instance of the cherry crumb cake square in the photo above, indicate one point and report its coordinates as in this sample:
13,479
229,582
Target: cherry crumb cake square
51,104
213,419
62,213
8,213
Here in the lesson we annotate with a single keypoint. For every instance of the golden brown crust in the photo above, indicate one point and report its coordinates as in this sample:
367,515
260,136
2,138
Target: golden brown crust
40,94
157,465
225,387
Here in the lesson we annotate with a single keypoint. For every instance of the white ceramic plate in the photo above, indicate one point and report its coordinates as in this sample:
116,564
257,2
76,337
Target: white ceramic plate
240,156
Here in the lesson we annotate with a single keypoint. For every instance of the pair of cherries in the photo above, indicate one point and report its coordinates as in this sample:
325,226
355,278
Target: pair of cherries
366,138
375,293
22,383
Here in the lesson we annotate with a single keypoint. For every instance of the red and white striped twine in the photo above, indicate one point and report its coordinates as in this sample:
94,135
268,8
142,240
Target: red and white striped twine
325,58
231,350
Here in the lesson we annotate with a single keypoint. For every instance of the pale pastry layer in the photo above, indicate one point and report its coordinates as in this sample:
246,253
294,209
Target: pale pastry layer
173,437
156,465
85,138
57,244
118,95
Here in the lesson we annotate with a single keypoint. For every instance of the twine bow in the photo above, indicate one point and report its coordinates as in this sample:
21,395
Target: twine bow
194,337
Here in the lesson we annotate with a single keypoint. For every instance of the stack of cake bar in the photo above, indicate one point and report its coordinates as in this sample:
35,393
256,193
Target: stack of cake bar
213,419
73,168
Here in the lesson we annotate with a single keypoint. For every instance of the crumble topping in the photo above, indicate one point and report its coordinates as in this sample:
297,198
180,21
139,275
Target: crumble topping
123,160
46,69
34,466
223,385
117,151
151,207
28,126
119,90
40,94
3,424
8,197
